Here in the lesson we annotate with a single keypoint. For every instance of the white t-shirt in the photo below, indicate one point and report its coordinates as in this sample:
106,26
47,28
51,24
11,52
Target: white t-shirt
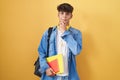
62,48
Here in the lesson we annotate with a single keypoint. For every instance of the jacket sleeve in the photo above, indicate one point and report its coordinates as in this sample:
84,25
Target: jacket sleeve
42,49
74,42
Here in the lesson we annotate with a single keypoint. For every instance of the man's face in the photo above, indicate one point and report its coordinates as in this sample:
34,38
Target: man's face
64,16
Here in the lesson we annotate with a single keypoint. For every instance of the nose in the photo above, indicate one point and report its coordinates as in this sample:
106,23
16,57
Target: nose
64,15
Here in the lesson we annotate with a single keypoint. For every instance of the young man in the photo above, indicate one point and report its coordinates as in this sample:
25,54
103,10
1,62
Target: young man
65,40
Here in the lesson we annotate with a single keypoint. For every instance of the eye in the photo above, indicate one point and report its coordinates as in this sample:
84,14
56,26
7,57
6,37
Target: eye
62,13
67,13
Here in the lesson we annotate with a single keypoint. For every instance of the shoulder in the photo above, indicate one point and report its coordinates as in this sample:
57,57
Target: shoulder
46,32
75,31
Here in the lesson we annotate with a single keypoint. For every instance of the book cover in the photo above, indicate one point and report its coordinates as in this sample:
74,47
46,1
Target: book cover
56,63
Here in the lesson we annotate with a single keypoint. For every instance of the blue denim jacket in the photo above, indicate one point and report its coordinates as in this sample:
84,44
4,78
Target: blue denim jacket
73,39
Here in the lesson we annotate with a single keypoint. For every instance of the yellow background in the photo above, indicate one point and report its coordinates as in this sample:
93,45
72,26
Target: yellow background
22,23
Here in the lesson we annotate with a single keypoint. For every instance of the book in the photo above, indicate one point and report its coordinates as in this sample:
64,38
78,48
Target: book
56,63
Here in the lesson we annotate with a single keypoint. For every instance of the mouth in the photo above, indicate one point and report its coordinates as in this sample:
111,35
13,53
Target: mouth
64,20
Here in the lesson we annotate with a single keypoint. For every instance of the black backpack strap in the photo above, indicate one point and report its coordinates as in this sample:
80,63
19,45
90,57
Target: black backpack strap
49,33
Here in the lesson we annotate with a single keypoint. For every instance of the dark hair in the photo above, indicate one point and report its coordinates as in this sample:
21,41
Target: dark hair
65,7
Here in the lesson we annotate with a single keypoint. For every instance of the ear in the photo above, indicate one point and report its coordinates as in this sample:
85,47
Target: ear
71,16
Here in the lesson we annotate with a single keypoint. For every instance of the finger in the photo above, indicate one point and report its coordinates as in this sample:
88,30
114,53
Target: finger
48,72
61,23
52,70
51,73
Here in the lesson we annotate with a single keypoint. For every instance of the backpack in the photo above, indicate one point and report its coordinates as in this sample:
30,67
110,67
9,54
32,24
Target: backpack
37,71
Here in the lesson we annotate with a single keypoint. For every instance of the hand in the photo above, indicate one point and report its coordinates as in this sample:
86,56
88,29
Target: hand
62,26
50,72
